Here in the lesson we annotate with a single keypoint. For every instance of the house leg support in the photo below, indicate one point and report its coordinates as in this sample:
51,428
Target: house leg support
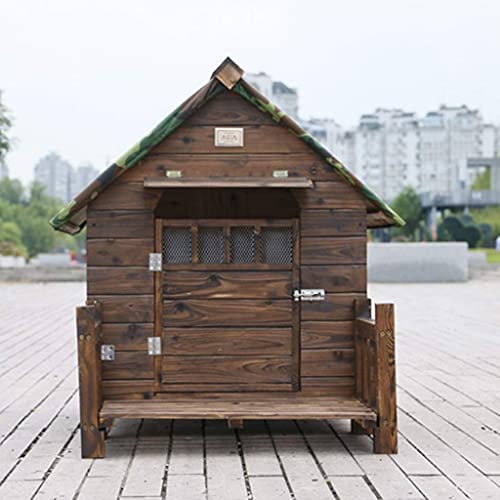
89,374
385,437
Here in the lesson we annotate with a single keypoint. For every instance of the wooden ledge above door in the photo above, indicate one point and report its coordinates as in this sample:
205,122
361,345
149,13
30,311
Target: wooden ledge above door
228,182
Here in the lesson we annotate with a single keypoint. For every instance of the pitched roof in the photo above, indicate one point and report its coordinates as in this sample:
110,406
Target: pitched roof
228,75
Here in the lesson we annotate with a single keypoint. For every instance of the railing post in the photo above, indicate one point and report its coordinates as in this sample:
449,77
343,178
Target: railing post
89,376
386,431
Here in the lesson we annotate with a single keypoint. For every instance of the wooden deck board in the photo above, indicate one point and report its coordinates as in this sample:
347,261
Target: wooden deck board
448,341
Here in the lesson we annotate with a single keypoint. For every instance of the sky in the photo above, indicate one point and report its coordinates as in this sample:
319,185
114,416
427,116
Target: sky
89,78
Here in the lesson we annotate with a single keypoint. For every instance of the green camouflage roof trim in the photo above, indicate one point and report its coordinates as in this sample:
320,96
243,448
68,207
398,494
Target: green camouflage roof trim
72,218
260,101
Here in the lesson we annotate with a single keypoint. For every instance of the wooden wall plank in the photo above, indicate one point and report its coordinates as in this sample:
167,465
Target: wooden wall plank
327,334
130,196
324,250
327,386
126,309
119,224
235,165
335,278
128,365
327,363
257,139
119,252
229,110
227,284
227,341
221,312
333,222
230,369
327,194
335,307
127,336
119,280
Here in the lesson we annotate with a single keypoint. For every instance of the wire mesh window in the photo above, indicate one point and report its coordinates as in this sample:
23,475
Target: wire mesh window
211,245
276,245
242,244
177,246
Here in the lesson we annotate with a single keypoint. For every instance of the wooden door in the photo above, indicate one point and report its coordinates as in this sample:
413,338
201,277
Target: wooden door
226,313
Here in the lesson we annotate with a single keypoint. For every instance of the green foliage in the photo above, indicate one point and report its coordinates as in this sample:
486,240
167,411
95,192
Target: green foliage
483,181
11,191
488,215
11,240
407,205
455,229
24,226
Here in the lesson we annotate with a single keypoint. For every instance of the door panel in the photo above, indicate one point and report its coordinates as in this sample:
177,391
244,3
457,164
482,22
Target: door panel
225,308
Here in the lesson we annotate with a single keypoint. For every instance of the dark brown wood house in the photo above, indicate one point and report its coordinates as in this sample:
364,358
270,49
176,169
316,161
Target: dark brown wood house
227,276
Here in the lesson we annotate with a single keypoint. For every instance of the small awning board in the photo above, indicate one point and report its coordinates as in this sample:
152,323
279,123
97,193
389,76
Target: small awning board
228,182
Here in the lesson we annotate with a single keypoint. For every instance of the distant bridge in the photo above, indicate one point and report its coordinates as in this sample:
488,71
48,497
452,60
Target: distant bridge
465,198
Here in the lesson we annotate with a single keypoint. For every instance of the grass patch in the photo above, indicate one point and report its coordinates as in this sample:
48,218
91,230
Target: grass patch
492,256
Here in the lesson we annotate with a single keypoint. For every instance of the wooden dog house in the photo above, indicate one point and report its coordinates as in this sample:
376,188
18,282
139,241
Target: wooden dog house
226,276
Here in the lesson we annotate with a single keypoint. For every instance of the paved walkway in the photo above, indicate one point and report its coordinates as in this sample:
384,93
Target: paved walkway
448,348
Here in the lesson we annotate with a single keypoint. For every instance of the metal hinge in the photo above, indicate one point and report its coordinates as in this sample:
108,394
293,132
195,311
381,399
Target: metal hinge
309,294
107,352
154,346
155,261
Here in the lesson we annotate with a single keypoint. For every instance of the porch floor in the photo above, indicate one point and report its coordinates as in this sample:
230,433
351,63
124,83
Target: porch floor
232,407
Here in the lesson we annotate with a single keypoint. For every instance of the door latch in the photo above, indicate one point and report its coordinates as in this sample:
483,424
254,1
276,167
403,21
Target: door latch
308,294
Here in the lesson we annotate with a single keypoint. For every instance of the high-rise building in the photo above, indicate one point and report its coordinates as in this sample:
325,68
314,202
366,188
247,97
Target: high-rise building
55,174
285,97
81,177
60,179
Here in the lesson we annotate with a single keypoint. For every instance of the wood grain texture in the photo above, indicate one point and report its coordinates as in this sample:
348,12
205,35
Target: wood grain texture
125,196
335,278
119,251
230,407
239,165
227,341
257,139
119,224
229,109
335,307
327,386
227,369
127,336
128,365
126,309
119,280
326,194
333,222
128,389
89,375
222,312
324,250
327,363
386,433
227,284
327,334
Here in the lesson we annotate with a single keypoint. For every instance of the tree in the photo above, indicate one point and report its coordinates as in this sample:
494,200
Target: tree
11,240
11,190
5,124
483,181
407,205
